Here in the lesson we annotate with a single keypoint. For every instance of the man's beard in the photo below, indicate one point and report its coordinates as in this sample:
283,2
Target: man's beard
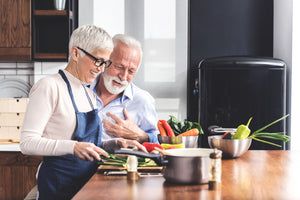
113,89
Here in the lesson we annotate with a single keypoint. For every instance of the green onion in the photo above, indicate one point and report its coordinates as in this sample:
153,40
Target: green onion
275,136
118,161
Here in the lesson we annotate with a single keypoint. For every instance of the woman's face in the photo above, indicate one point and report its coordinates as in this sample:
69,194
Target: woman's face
86,68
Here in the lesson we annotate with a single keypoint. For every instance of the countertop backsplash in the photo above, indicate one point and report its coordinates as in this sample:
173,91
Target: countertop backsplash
29,72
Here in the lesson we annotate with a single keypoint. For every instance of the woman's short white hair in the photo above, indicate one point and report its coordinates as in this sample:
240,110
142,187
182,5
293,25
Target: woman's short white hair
90,38
128,41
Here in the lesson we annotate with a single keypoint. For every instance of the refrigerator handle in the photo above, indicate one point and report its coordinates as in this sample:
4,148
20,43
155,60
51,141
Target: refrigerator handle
196,89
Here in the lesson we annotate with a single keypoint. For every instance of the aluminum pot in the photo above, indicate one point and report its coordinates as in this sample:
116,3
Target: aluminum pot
182,166
189,141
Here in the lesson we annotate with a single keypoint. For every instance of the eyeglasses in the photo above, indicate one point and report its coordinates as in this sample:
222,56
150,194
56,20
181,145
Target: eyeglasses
98,61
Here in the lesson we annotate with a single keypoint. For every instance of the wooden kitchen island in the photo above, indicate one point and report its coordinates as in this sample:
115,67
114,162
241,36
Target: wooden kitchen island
258,174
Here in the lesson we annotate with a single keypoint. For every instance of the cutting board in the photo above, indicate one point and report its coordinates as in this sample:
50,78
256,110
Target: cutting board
106,168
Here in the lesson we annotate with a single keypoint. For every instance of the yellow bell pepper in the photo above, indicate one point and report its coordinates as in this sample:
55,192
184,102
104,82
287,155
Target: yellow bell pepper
242,131
178,146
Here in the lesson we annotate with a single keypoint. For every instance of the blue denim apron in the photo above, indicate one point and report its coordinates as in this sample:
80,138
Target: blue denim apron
60,177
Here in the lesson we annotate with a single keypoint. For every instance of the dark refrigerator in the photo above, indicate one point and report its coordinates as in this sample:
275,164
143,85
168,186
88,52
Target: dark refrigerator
232,89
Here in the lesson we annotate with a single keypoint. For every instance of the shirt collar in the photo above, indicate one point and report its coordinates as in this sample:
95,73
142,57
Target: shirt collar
92,86
128,92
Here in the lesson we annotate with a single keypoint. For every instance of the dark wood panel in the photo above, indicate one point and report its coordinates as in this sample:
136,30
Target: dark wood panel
25,23
50,13
17,174
19,26
50,56
15,54
15,26
5,20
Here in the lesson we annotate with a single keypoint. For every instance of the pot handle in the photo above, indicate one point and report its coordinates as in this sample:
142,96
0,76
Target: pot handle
154,156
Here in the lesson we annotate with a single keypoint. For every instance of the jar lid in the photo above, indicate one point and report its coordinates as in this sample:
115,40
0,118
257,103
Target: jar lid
132,163
216,154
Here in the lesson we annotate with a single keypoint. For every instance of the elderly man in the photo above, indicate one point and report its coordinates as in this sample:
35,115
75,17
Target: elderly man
126,110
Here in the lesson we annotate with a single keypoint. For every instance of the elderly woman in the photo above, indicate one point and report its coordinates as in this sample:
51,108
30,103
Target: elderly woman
61,122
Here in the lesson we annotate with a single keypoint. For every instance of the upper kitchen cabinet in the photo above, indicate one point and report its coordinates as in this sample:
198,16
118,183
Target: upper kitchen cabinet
52,29
15,30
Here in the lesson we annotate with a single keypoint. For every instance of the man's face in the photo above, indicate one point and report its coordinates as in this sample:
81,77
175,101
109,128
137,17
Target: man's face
125,62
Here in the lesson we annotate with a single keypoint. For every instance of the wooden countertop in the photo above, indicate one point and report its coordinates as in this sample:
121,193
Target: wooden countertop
258,174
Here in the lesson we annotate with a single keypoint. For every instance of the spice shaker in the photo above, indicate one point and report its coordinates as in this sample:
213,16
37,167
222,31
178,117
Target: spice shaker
215,169
132,163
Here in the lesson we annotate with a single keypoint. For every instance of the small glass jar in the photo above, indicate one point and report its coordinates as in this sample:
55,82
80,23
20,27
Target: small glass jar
215,169
132,163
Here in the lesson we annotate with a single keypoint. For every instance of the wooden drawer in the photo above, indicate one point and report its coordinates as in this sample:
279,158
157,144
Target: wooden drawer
17,158
17,174
14,105
11,119
10,132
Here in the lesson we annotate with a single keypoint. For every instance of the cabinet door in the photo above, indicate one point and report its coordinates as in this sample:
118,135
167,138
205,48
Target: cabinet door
15,34
17,174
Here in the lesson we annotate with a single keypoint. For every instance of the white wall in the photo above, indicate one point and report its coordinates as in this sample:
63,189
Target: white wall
161,27
283,31
86,12
295,77
17,70
286,47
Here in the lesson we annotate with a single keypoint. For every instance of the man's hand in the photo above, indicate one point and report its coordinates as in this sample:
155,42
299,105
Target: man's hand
124,128
124,143
88,151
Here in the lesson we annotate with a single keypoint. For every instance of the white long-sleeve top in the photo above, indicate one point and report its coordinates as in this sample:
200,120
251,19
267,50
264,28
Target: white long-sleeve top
50,121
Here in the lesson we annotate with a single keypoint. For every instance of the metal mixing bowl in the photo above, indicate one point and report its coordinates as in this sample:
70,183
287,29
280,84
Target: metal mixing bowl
189,141
230,148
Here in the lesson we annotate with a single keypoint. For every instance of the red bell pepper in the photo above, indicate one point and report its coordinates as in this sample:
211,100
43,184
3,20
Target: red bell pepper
150,146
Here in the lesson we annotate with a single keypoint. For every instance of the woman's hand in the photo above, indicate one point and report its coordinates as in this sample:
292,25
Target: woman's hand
88,151
124,143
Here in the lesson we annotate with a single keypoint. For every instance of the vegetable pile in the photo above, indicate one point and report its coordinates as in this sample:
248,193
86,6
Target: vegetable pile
244,132
174,127
122,161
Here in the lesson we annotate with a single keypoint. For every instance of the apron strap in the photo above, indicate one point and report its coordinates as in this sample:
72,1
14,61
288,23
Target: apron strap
69,88
88,97
71,93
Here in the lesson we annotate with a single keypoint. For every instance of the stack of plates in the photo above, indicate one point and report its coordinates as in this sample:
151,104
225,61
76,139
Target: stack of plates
14,88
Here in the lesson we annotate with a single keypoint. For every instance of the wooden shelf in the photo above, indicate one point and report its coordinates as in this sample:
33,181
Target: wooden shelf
52,29
51,13
50,56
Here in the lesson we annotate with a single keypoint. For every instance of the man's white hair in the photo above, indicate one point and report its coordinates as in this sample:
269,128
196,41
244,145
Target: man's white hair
128,41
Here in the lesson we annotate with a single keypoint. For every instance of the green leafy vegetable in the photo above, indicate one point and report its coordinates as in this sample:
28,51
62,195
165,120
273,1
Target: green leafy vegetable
183,126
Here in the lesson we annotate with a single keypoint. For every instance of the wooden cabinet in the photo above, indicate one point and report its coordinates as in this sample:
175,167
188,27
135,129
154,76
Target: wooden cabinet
15,30
17,174
32,30
52,29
